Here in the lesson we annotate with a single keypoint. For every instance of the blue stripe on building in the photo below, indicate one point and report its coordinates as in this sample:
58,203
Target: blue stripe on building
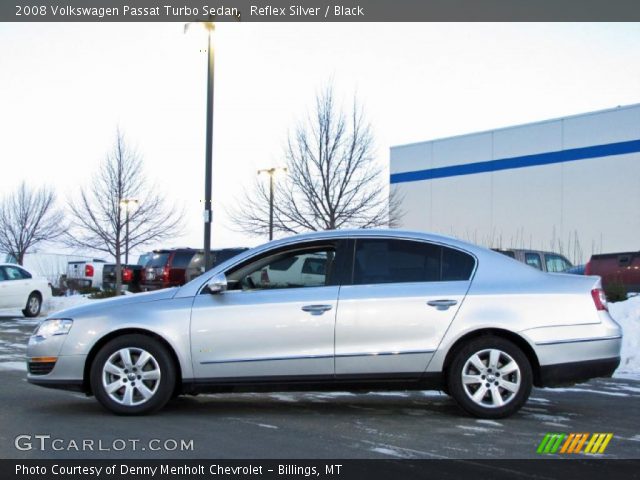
534,160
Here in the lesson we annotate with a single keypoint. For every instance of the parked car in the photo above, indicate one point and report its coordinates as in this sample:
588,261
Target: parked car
576,270
131,276
616,269
175,267
85,274
545,261
396,310
20,289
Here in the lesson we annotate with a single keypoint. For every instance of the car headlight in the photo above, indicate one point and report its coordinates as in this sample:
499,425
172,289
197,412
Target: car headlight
52,327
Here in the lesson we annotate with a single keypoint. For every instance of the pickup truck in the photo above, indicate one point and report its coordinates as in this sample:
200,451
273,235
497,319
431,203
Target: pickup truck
131,274
545,261
83,274
616,268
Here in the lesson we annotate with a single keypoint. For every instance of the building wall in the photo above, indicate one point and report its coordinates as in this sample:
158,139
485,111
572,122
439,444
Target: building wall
575,206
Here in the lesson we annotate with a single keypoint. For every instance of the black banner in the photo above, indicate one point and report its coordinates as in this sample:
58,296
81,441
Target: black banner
328,469
318,11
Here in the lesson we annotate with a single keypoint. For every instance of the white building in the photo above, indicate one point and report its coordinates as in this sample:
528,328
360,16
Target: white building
570,184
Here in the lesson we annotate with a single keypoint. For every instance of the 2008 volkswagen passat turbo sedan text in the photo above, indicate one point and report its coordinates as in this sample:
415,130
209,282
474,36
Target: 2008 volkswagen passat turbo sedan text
354,310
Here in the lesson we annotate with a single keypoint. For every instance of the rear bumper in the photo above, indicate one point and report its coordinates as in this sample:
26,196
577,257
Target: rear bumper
563,374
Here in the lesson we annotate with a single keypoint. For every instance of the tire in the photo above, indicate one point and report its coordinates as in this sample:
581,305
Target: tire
132,394
485,392
34,304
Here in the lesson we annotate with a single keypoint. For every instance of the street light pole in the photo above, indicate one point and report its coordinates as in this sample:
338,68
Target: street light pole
209,150
271,172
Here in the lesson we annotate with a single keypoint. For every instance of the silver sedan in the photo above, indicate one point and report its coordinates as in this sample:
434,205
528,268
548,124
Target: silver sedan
354,310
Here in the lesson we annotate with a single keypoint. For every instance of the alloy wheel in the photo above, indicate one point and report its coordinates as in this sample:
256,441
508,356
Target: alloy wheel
131,376
491,378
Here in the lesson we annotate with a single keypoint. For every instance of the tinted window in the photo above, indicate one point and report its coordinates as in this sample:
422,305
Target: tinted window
401,261
315,265
456,265
144,259
556,263
15,273
181,259
533,260
3,275
158,260
283,265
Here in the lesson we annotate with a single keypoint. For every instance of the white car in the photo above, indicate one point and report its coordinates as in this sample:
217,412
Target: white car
20,289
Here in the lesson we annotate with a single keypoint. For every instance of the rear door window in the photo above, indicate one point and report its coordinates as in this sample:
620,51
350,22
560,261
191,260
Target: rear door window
404,261
533,260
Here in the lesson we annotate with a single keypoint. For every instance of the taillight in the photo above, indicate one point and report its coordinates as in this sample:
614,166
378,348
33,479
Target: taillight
165,274
126,275
88,270
587,268
599,298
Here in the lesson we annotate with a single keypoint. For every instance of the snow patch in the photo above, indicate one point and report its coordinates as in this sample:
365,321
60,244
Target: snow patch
587,390
490,422
627,314
56,304
265,425
19,366
388,451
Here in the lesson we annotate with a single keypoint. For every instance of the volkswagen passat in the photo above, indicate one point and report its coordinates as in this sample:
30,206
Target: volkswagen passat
359,311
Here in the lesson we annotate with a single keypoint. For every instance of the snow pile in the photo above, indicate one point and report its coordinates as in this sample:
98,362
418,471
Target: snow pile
627,314
56,304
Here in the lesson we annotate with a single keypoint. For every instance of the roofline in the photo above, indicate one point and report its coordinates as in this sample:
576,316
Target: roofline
520,125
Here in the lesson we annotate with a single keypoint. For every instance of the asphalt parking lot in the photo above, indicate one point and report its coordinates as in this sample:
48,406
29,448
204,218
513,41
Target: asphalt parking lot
57,424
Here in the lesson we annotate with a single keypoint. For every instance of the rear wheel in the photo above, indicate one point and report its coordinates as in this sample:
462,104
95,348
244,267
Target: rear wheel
133,375
34,304
490,377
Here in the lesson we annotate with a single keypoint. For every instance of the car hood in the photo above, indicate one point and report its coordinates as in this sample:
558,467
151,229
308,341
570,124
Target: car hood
96,306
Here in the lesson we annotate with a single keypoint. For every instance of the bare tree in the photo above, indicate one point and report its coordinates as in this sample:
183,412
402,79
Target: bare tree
27,218
332,179
99,217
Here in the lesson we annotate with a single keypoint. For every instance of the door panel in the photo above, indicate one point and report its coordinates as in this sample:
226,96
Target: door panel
403,297
390,328
264,333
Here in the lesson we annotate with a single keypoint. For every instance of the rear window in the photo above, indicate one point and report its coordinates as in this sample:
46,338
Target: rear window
315,266
181,259
144,259
283,265
158,260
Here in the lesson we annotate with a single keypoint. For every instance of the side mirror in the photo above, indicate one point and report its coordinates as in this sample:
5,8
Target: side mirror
217,284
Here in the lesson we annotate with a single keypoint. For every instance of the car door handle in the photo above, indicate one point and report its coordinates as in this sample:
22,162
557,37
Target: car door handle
316,309
442,304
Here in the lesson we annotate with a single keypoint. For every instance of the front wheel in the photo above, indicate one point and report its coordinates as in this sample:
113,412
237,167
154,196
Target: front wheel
133,375
490,377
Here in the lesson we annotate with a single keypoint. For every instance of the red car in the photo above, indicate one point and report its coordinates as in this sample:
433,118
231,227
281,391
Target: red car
616,269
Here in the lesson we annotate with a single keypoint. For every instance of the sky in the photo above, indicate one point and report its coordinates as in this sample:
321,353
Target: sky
66,87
